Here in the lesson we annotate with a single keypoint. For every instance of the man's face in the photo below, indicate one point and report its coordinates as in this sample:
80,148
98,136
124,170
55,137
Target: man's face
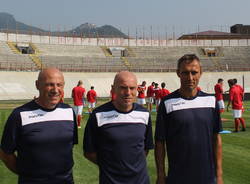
189,74
50,88
125,90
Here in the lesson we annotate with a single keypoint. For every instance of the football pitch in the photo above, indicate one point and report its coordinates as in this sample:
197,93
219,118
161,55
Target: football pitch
236,151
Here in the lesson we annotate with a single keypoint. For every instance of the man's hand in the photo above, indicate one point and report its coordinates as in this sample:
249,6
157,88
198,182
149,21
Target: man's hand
219,180
161,180
160,161
9,160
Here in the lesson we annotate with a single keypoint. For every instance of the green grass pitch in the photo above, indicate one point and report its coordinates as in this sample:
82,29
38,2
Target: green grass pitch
236,152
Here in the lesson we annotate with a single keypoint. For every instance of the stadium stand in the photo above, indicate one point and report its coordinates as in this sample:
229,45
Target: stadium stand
149,63
88,58
86,61
159,59
87,64
164,58
70,50
78,58
10,61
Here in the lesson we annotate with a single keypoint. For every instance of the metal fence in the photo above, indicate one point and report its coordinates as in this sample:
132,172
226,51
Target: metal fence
15,66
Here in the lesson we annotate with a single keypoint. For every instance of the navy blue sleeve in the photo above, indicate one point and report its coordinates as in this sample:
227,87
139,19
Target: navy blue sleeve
149,135
11,133
90,135
217,125
160,129
75,138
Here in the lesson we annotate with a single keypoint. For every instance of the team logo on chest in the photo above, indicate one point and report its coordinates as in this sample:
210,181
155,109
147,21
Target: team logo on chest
111,117
175,104
38,115
35,115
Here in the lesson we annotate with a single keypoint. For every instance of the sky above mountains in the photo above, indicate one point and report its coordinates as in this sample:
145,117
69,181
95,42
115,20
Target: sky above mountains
184,16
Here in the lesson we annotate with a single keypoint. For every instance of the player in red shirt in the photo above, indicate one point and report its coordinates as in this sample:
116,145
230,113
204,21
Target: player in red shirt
141,93
78,94
164,91
91,97
157,92
239,86
236,99
150,96
218,88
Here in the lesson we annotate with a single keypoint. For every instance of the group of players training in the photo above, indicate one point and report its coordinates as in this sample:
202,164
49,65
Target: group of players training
236,97
38,138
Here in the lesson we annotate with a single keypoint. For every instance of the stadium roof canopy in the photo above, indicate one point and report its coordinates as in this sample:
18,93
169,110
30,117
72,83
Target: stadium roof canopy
213,35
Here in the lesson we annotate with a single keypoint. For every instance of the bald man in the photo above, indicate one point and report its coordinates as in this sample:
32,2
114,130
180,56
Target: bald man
39,136
118,135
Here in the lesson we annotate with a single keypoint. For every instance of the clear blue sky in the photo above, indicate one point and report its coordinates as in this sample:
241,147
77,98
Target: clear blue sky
182,15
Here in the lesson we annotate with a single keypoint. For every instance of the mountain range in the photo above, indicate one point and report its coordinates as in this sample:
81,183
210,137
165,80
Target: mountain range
9,23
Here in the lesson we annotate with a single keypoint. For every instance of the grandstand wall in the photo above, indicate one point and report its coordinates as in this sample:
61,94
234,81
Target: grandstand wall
21,85
31,38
